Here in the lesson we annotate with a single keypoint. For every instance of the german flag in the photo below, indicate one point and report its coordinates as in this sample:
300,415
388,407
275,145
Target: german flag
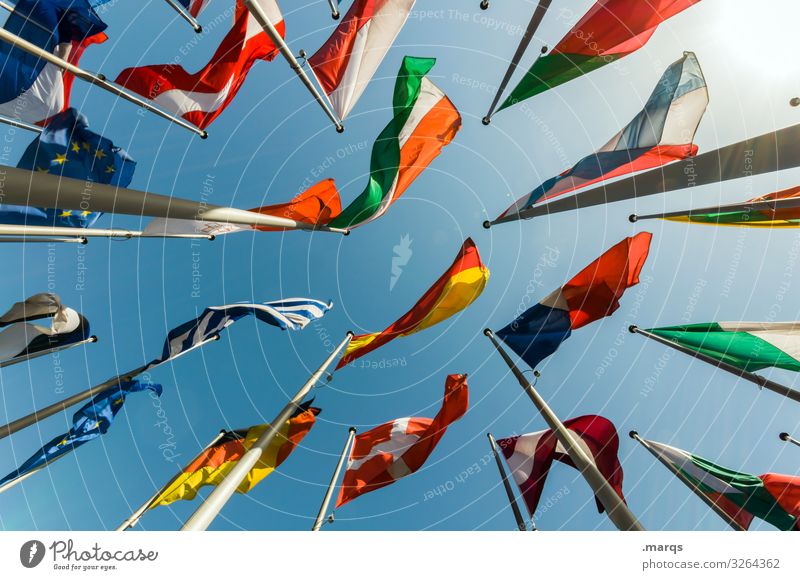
215,462
457,288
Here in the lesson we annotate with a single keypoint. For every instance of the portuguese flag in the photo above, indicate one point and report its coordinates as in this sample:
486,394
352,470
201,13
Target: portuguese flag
749,346
754,213
610,30
771,497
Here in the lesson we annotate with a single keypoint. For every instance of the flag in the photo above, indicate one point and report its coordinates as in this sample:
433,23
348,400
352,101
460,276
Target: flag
22,336
90,422
529,456
200,97
456,289
661,133
66,147
424,122
749,346
592,294
393,450
347,61
289,313
771,497
758,216
609,31
194,7
216,462
316,206
32,90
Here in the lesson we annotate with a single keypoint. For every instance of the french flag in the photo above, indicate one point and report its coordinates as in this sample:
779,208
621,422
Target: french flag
201,97
591,295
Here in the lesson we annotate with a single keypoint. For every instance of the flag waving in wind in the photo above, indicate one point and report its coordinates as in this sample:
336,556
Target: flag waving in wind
766,211
194,7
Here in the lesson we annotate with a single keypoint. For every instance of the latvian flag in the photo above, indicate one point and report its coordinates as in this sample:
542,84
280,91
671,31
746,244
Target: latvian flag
661,133
201,97
194,7
393,450
346,62
591,295
529,456
771,497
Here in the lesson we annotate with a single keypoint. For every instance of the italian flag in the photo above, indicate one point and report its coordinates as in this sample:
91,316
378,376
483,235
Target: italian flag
749,346
424,122
771,497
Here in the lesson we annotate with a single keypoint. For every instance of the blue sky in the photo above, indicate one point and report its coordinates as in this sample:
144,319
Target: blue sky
271,141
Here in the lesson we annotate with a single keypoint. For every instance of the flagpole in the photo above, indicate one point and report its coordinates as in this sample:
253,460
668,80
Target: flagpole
509,492
302,54
789,439
767,205
762,382
679,474
334,9
533,25
11,8
27,357
323,508
36,231
614,506
186,16
15,240
64,404
20,124
484,4
134,518
95,79
262,19
216,500
17,480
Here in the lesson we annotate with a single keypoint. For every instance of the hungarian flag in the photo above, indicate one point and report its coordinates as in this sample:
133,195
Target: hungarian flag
771,497
31,89
661,133
346,62
393,450
749,346
592,294
529,456
200,97
424,122
780,209
215,462
610,30
456,289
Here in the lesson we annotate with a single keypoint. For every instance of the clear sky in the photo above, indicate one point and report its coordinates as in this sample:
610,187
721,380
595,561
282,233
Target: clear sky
272,141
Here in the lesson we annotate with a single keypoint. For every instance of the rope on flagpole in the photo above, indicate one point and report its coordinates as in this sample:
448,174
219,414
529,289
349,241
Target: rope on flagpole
186,16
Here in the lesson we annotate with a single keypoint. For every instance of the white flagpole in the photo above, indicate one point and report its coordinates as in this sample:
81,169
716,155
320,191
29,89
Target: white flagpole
677,473
16,481
21,124
326,500
615,508
334,9
95,79
27,357
136,516
789,439
36,231
263,20
186,16
216,500
507,486
762,382
15,240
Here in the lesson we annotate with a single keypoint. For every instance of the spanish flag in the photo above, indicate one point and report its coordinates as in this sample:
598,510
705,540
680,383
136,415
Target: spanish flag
215,462
457,288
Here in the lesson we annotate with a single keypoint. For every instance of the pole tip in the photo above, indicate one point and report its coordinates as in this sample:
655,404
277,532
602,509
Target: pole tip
84,241
335,15
633,218
795,101
536,373
487,331
544,49
633,434
212,237
633,328
93,338
340,128
204,134
487,224
350,333
346,233
198,29
484,4
486,120
784,436
352,430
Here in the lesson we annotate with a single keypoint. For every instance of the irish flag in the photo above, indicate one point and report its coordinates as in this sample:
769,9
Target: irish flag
775,210
749,346
771,497
424,122
611,30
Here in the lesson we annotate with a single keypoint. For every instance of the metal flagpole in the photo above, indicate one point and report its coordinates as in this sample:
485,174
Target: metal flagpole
64,404
136,516
533,25
334,9
789,439
762,382
484,4
679,474
323,509
302,54
15,240
262,19
509,492
747,207
615,508
36,231
186,16
27,357
95,79
16,481
216,500
20,124
10,8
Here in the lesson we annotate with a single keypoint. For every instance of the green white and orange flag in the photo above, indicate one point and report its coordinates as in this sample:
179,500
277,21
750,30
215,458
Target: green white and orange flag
780,209
749,346
771,497
424,121
456,289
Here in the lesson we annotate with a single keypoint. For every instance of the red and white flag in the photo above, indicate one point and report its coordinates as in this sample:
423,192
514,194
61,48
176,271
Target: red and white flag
529,456
393,450
346,62
201,97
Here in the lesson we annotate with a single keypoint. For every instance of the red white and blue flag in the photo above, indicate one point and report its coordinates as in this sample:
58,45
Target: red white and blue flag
194,7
